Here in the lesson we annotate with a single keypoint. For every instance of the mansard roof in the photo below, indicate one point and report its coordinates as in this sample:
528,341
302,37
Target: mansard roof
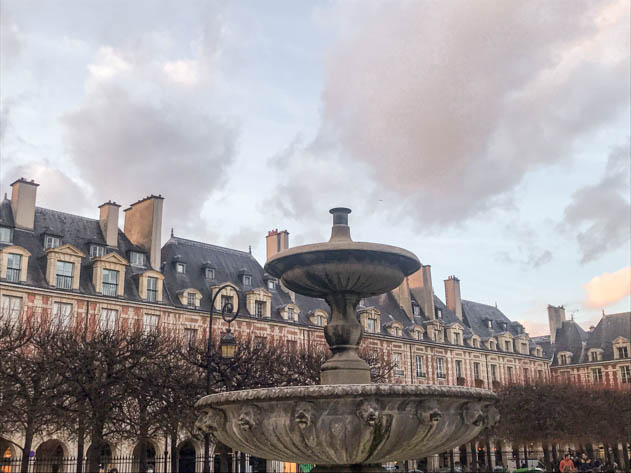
569,338
477,315
610,327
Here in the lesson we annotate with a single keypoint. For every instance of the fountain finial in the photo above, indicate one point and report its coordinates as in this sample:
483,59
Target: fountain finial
340,230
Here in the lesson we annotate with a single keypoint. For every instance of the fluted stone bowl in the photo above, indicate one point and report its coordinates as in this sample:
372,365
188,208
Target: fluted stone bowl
347,424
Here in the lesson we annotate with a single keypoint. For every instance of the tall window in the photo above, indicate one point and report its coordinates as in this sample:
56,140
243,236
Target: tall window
96,250
190,335
137,259
5,235
625,374
319,320
11,308
396,358
493,372
371,325
563,359
419,367
457,338
61,314
492,345
152,289
64,274
440,368
489,323
396,331
509,373
597,375
459,369
151,323
110,282
290,313
191,299
416,310
594,356
418,334
508,345
51,241
476,370
476,343
526,375
227,300
623,352
14,265
108,318
524,348
259,308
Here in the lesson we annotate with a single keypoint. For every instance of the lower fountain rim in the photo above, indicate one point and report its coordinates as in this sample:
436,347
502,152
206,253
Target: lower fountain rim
319,392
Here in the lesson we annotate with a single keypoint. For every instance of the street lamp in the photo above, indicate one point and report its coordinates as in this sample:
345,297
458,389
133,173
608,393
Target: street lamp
228,345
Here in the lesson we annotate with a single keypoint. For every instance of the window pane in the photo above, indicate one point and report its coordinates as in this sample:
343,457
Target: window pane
107,321
191,299
14,263
5,235
64,275
151,322
61,314
152,289
110,282
11,308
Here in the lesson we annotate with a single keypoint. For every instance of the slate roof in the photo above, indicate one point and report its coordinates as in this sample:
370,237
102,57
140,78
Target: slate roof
610,327
476,316
569,337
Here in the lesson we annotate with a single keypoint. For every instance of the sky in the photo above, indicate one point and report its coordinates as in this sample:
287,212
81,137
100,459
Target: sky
491,138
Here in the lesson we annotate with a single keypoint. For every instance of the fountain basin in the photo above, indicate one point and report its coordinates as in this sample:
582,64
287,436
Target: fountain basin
347,424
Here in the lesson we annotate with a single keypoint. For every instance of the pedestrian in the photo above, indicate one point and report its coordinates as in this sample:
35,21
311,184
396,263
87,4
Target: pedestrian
566,465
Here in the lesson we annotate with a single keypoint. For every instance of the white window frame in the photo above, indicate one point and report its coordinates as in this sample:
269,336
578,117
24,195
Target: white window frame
108,319
109,284
180,268
458,368
290,313
209,273
96,251
625,374
247,280
12,269
371,325
440,368
597,375
419,367
476,370
416,310
152,290
62,314
493,372
136,258
64,265
191,299
6,234
51,241
11,308
150,323
509,374
260,308
621,348
439,313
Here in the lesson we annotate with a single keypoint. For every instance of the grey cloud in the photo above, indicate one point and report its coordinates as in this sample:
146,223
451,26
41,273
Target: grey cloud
600,214
10,38
449,105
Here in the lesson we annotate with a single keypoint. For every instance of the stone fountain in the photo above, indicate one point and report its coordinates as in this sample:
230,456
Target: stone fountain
346,423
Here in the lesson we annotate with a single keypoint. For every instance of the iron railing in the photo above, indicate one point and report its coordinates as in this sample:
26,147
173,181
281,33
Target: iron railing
64,282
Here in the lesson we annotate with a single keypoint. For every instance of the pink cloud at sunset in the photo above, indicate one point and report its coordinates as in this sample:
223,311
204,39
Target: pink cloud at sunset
608,288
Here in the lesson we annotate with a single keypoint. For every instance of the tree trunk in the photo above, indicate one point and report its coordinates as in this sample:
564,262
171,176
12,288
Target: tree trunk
555,455
625,456
28,444
546,456
174,453
474,456
80,444
96,443
142,440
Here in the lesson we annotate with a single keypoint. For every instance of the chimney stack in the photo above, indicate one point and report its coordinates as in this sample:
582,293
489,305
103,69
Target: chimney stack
23,203
421,286
108,220
143,226
276,242
452,295
556,317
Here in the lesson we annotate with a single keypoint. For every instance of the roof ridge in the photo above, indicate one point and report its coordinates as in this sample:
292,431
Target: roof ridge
202,244
69,214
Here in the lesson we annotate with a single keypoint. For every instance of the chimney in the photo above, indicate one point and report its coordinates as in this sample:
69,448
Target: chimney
556,317
108,220
143,226
452,295
23,203
276,242
421,286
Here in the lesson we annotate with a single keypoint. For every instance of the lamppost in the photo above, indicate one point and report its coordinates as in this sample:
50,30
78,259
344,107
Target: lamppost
227,346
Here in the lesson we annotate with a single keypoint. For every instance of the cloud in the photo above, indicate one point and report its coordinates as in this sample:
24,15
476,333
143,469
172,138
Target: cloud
10,39
608,288
535,328
56,191
601,213
449,105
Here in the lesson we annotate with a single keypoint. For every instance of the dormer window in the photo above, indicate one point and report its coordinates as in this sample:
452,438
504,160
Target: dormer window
137,259
623,352
51,241
476,343
290,313
259,308
96,250
508,346
489,323
371,325
563,359
271,285
209,273
6,235
180,268
504,326
152,289
64,274
457,339
439,313
110,282
416,310
247,280
14,267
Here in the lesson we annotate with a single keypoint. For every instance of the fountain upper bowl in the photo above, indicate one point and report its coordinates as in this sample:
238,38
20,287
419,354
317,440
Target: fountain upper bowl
320,269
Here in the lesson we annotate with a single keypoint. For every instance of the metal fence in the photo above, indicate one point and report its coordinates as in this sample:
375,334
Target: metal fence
220,463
